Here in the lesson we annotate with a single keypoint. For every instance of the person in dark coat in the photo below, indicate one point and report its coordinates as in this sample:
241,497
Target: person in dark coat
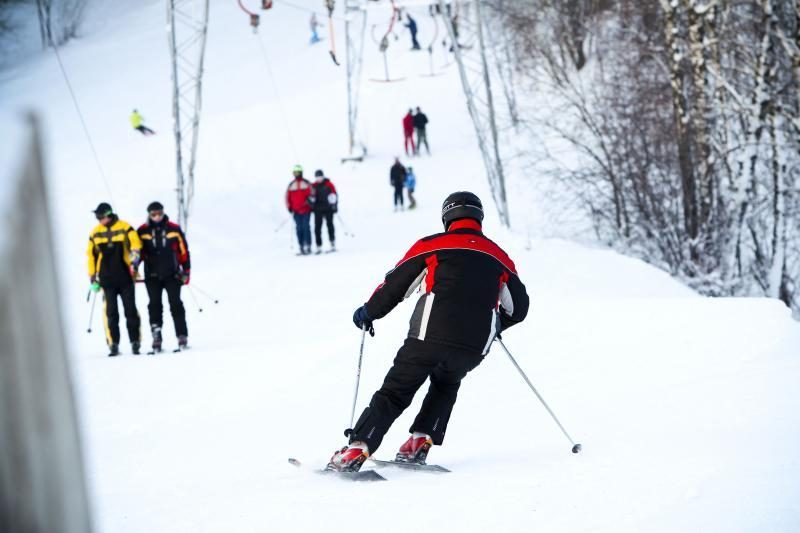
324,202
167,267
412,27
397,179
420,126
470,293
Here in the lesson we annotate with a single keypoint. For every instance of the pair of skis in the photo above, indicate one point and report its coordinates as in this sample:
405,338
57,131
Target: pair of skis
372,475
160,351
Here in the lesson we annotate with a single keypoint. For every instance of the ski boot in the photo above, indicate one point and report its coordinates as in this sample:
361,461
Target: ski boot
113,350
157,339
183,342
415,449
136,348
318,250
349,458
333,247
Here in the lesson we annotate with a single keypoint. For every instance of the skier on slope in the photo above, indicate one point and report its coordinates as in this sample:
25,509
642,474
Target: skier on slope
420,125
297,202
408,132
165,253
471,293
314,25
397,179
412,27
324,202
411,184
114,253
137,121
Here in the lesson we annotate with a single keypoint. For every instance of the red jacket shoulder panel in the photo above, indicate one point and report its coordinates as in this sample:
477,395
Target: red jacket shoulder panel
460,241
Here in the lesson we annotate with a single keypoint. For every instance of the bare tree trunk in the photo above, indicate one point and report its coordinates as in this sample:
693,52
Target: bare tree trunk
700,134
682,118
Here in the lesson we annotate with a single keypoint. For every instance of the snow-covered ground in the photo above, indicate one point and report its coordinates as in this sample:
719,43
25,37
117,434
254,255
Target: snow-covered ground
686,407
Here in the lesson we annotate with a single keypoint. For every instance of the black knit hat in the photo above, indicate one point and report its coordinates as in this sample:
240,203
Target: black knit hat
155,206
319,173
461,204
103,209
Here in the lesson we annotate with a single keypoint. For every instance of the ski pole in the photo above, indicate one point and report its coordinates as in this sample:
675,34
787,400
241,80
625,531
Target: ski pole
575,447
204,293
281,225
91,312
349,429
347,232
195,299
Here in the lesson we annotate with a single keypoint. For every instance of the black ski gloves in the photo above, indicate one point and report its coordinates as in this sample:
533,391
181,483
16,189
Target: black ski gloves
362,320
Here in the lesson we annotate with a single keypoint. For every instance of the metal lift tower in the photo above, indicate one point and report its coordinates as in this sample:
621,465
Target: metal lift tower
186,28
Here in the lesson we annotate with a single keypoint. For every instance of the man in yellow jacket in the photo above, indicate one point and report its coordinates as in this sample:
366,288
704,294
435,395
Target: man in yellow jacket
137,121
114,253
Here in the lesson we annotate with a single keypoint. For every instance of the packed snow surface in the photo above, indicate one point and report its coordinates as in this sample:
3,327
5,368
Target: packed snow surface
687,407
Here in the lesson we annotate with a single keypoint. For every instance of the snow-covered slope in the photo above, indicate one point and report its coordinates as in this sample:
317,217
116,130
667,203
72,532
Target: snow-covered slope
685,406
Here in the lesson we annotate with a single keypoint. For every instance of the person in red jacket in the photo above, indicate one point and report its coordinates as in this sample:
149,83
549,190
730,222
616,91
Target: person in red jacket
408,132
298,204
470,293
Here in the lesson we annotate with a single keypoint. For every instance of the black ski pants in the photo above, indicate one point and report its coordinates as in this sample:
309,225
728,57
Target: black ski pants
327,217
155,287
127,292
415,362
398,195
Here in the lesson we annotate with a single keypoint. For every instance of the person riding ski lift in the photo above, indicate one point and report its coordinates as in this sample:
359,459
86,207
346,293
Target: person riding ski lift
412,27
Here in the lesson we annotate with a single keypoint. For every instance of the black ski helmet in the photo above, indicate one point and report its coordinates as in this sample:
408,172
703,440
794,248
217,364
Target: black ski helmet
155,206
103,209
461,204
319,173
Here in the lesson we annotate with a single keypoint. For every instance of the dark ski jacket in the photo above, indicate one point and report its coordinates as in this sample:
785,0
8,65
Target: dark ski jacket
164,249
470,289
412,26
420,121
324,198
397,175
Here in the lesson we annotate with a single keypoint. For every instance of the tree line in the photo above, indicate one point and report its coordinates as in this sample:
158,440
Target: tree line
686,117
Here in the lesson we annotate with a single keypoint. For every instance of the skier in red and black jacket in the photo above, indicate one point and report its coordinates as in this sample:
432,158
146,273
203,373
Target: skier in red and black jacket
298,195
165,254
324,201
470,294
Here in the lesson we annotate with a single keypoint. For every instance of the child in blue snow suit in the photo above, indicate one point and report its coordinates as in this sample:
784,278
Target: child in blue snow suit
411,183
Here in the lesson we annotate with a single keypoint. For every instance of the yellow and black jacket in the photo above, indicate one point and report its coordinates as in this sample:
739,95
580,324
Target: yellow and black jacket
111,250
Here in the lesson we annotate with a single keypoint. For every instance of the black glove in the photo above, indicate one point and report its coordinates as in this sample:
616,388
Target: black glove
362,320
290,210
